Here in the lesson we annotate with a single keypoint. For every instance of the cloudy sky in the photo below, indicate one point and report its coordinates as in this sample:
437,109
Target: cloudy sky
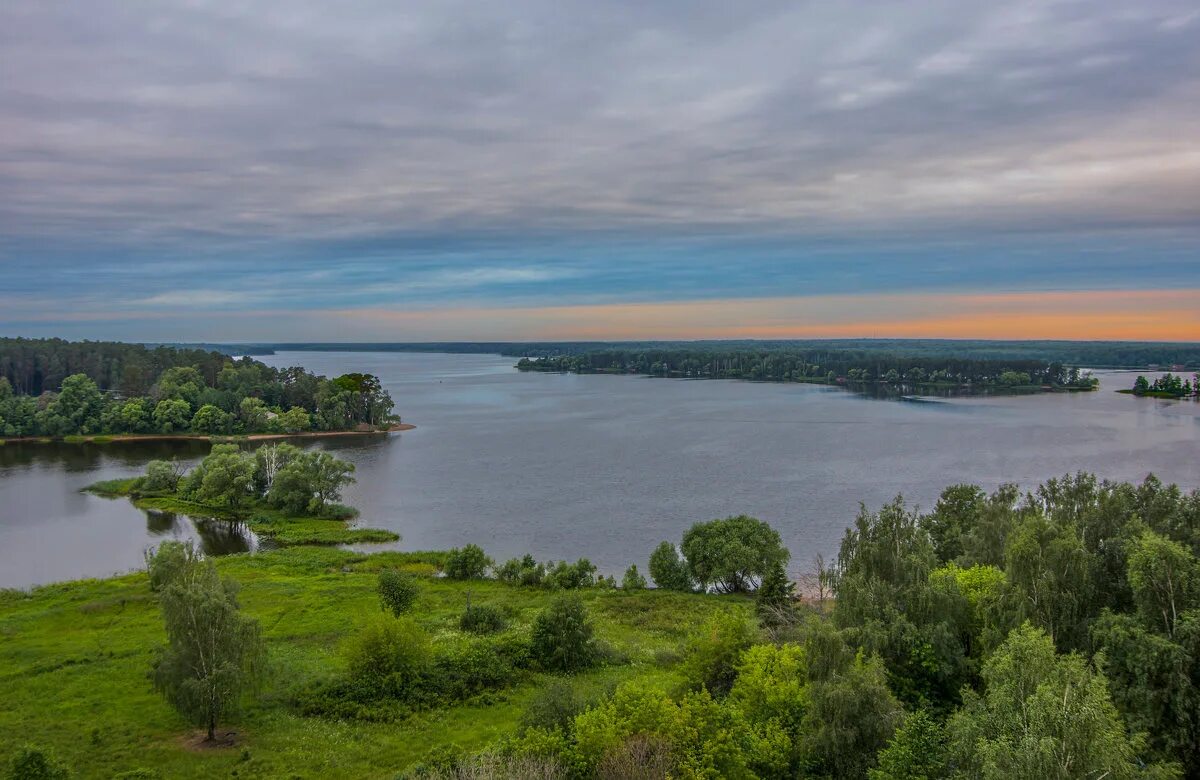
298,170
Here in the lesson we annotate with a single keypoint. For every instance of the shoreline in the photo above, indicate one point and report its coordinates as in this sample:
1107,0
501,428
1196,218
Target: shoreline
107,438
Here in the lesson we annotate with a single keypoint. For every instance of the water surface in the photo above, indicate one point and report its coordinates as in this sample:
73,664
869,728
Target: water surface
566,465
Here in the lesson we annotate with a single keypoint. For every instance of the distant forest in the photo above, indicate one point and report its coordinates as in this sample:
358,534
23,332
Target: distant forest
1082,354
825,366
52,387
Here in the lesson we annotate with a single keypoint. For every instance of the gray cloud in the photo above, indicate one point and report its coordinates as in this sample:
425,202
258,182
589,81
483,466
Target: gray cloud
185,124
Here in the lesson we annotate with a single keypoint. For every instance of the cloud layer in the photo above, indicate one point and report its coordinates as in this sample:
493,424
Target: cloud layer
212,157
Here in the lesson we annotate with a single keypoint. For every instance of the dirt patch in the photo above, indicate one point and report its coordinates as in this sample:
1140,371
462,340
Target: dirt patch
198,741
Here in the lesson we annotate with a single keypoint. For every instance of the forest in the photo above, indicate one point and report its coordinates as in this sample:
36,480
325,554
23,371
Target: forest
838,366
1093,354
55,388
1053,633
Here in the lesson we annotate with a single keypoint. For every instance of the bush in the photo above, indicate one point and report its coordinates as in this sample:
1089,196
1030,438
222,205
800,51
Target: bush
633,580
553,707
562,637
481,619
387,650
571,576
468,563
521,571
712,656
467,670
33,763
397,591
667,570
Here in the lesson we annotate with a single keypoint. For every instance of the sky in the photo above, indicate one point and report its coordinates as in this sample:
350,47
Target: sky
289,170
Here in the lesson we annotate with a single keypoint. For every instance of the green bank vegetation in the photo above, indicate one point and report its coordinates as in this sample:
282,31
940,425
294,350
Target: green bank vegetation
92,391
1052,634
282,493
859,368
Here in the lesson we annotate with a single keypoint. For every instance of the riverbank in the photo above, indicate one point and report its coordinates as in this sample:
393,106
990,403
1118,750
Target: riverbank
102,438
75,656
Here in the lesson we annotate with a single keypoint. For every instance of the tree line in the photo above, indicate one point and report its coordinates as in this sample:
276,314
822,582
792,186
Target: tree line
1167,386
822,366
112,392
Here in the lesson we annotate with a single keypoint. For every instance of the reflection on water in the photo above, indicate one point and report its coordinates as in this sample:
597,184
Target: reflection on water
216,537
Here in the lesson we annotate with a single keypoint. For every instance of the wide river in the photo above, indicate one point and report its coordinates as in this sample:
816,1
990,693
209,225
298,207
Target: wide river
564,466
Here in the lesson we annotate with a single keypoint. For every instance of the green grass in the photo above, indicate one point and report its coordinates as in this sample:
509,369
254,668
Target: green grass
74,658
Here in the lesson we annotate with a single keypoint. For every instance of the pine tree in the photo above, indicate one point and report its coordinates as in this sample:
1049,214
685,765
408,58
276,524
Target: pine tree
775,594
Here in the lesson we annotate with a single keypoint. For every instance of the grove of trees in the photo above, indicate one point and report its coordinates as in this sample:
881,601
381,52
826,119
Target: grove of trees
56,388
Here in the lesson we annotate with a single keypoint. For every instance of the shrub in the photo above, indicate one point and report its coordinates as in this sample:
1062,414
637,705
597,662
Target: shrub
397,591
667,570
468,563
521,571
33,763
553,707
713,654
481,619
633,580
466,670
387,650
571,576
561,639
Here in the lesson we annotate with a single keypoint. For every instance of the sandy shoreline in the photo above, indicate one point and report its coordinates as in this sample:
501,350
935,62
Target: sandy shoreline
116,437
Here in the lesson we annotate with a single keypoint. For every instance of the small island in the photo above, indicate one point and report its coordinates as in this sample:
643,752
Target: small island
286,496
1172,386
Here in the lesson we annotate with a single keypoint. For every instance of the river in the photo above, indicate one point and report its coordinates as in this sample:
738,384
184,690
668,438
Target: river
564,466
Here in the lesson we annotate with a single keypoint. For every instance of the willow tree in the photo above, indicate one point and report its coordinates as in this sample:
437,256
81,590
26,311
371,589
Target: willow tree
214,655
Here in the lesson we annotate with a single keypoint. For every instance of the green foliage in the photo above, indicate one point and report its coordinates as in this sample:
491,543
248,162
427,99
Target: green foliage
211,420
303,482
161,476
571,576
771,685
733,554
562,637
850,717
1165,578
481,619
467,563
390,651
713,653
32,763
170,562
668,570
553,707
214,654
1041,715
1049,577
888,605
225,477
521,571
397,591
917,751
172,415
633,580
1155,682
775,599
